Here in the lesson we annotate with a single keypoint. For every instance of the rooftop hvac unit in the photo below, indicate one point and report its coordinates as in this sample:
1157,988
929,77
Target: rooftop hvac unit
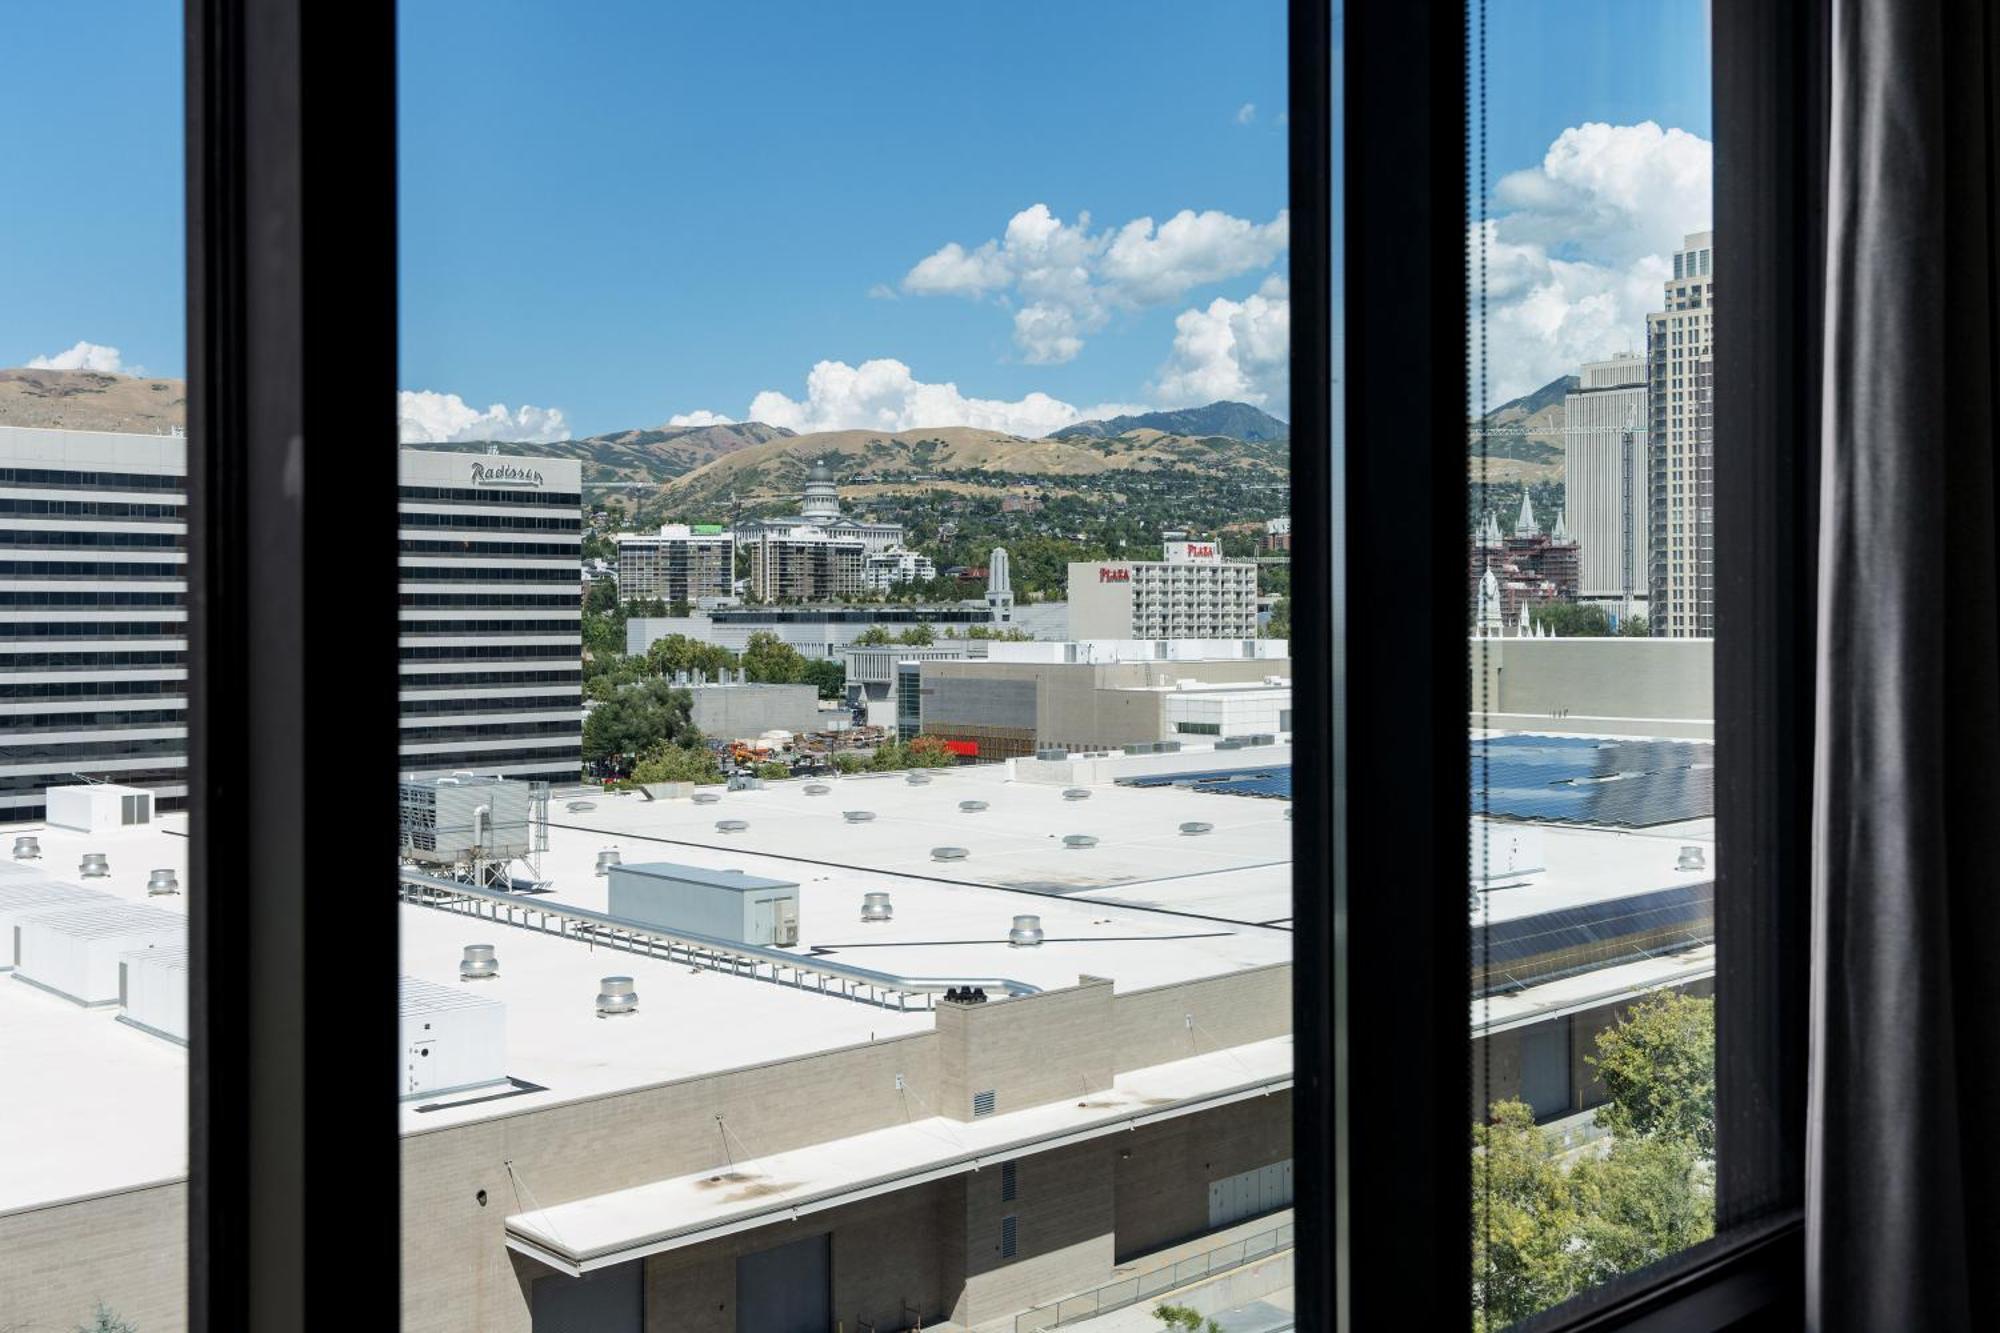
153,990
875,907
617,996
1027,932
479,964
97,807
452,1040
75,951
446,821
724,905
23,898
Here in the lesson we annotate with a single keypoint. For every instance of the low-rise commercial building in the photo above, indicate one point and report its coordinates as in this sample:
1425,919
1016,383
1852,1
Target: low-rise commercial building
1190,593
827,631
736,709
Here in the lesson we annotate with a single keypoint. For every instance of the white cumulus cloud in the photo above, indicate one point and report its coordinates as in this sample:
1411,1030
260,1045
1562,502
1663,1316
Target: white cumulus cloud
1577,248
1064,280
1246,113
426,417
701,418
1235,350
85,356
883,394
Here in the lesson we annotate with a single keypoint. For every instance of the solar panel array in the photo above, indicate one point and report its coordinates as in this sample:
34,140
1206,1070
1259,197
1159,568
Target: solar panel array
1272,781
1578,780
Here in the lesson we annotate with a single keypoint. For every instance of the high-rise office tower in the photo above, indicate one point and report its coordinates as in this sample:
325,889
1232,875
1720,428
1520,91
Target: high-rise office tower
1680,375
1606,483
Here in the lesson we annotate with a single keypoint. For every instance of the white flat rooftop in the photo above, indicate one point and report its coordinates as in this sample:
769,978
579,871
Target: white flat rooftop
1589,864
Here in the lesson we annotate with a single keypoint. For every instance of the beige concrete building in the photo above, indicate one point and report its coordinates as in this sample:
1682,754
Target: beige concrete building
679,563
1606,483
1191,593
1597,686
806,566
1681,395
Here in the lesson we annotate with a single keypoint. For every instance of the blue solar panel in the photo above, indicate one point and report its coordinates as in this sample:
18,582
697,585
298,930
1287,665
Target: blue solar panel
1270,780
1577,780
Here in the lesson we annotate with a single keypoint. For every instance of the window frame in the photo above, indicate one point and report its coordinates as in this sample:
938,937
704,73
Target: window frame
292,337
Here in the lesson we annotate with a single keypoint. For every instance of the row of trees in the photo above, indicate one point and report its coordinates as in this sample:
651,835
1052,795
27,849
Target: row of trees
1582,620
1545,1227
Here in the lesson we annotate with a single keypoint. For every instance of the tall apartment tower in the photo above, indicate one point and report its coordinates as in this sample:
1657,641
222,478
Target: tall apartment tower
491,638
1680,379
93,613
1607,485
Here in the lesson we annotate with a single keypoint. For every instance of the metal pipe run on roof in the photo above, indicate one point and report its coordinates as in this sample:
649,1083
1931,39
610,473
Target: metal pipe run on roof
707,950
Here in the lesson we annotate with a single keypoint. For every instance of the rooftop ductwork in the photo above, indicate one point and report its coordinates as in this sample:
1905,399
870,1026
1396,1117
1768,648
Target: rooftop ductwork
949,853
707,797
1691,858
616,995
27,847
875,907
731,825
606,859
1027,932
479,964
1194,828
161,883
95,865
972,807
1076,793
857,816
1079,840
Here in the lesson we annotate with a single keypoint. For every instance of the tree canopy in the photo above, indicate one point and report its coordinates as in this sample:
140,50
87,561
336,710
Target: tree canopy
676,763
1658,1067
636,717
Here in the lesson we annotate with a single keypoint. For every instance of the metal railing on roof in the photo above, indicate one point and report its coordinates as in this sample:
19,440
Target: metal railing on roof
1156,1282
866,985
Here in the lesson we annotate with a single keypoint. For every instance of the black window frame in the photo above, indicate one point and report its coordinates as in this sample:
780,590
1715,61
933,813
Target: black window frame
293,496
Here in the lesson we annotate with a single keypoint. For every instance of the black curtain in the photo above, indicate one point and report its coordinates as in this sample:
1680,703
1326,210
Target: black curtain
1903,1176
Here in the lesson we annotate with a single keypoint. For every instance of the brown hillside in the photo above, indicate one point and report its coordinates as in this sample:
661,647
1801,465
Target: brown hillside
91,400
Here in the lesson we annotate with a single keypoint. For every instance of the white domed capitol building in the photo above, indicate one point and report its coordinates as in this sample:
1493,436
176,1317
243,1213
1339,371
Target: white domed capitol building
821,553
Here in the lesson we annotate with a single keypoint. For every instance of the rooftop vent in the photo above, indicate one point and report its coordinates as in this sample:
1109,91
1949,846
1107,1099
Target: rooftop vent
949,853
479,963
875,907
1691,858
578,807
917,779
857,816
1195,828
95,865
27,847
162,883
616,995
707,797
817,789
972,807
1027,932
606,859
1076,793
731,825
1079,840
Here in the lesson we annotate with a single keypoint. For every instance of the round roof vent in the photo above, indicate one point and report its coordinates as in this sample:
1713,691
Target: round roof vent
578,807
707,797
972,807
1076,793
95,865
1195,828
1027,932
617,995
1079,840
479,963
817,789
731,825
27,847
875,907
949,853
857,816
606,859
917,779
161,883
1691,858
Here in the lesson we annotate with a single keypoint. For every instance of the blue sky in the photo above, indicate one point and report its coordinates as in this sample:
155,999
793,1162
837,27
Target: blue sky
623,212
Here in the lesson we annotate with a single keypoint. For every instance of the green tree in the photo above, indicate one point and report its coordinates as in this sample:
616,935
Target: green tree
918,636
106,1320
829,676
634,719
676,763
610,673
1524,1221
771,661
929,752
849,763
1280,624
874,636
773,771
679,608
678,652
602,599
1634,627
1572,620
1185,1318
1658,1067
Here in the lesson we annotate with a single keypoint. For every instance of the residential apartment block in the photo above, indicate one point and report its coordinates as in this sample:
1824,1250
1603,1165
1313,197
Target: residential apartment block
1190,593
679,563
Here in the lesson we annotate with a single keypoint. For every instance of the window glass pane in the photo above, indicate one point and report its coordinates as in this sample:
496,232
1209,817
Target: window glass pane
93,672
846,691
1590,611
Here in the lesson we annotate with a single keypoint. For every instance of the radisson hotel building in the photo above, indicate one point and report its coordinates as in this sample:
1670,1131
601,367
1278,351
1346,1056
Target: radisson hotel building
491,638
